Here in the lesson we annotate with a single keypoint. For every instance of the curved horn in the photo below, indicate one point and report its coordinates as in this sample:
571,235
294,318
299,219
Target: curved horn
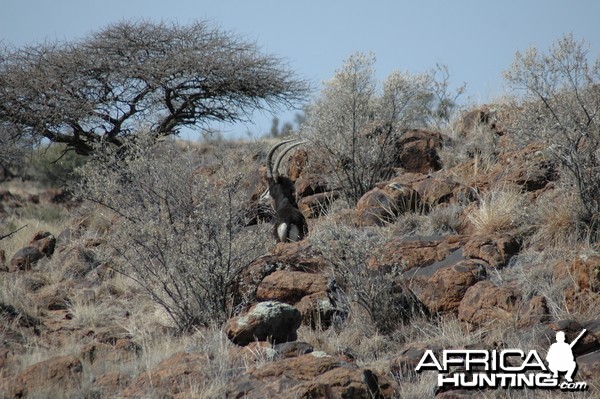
270,156
285,151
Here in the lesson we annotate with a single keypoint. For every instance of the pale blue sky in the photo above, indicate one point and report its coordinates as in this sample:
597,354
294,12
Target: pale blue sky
476,39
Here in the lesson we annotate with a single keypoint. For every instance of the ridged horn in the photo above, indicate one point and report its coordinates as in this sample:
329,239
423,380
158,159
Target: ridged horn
270,156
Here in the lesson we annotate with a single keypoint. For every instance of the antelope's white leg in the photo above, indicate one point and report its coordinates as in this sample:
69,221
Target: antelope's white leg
282,232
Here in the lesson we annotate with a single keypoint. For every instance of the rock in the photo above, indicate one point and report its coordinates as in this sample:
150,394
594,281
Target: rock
528,168
588,367
404,364
495,250
485,303
300,256
583,270
312,294
179,374
291,286
589,342
24,258
417,151
444,289
318,310
292,349
311,184
383,205
434,189
418,252
584,273
317,205
110,384
314,375
41,245
48,377
273,321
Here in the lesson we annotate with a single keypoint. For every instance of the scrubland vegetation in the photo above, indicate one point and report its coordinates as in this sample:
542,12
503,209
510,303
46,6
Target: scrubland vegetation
160,242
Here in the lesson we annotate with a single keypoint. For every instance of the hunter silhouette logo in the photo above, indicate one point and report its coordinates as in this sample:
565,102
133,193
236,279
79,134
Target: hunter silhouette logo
560,356
507,368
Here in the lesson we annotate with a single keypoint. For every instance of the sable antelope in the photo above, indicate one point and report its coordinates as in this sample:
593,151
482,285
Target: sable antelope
289,223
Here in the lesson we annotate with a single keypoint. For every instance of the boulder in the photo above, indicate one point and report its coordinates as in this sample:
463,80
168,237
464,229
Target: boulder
383,205
266,321
442,289
311,184
291,286
485,303
300,256
583,293
179,374
41,245
417,252
416,151
48,377
495,250
314,375
317,205
588,367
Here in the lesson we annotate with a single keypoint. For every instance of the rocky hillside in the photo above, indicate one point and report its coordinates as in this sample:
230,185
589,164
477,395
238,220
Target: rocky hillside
476,249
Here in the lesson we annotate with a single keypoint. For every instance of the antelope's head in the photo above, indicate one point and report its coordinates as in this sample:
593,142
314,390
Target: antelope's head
281,188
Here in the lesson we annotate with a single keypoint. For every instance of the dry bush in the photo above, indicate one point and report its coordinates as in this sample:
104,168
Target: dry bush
560,107
386,301
479,144
176,230
355,122
559,219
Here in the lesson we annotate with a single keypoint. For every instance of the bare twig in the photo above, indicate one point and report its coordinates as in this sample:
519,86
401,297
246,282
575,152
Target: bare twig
11,233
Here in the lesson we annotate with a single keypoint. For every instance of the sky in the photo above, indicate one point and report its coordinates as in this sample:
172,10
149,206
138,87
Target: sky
475,39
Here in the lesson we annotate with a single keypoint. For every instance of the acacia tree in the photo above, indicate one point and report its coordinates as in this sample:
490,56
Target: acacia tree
160,75
560,106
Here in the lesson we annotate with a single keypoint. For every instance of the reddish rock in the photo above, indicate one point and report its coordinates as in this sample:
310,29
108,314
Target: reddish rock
416,252
434,189
417,151
311,184
41,245
179,374
297,163
317,205
444,290
528,168
496,251
51,376
589,342
405,363
300,256
109,385
584,273
318,310
485,303
583,270
291,286
383,205
273,321
313,375
588,367
308,292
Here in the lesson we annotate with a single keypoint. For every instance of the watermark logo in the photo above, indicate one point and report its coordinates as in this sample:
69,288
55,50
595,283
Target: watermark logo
509,368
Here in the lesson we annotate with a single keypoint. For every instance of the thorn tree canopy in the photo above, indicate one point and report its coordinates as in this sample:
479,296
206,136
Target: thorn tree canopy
161,76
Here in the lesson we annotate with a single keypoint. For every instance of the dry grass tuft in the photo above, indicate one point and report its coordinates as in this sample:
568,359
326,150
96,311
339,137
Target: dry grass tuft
498,210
